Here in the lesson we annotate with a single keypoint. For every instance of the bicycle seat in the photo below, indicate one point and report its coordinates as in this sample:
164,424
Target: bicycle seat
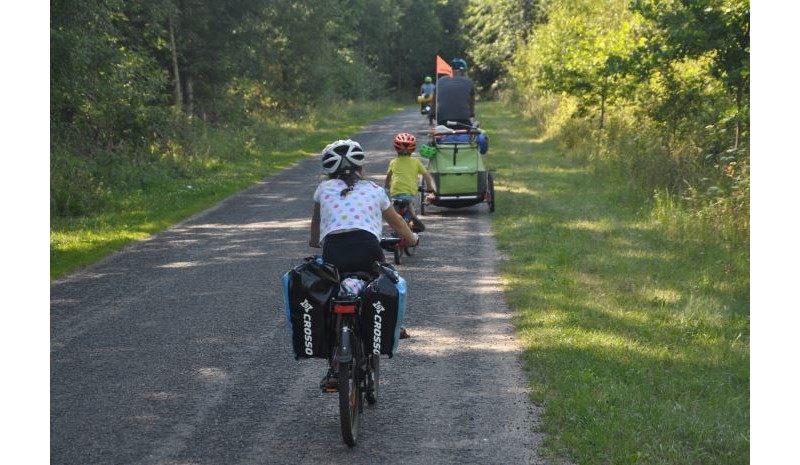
389,243
362,275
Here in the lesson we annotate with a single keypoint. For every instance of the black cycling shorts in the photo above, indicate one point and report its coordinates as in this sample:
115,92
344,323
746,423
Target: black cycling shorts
352,251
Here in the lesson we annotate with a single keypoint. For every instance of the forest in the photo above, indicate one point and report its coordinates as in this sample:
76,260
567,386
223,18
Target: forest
654,91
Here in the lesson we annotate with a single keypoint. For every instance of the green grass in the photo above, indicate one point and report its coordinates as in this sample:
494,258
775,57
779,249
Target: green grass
219,163
636,337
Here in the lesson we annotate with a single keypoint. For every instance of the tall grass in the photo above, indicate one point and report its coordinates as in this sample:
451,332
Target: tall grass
102,202
635,320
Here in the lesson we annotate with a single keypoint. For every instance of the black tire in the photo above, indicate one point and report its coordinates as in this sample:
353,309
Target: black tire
397,254
349,403
373,378
491,192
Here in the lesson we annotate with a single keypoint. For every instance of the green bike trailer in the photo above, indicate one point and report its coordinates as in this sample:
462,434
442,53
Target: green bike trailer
456,163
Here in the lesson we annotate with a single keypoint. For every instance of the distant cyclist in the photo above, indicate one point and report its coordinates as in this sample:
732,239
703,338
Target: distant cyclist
426,90
403,175
427,87
455,96
348,211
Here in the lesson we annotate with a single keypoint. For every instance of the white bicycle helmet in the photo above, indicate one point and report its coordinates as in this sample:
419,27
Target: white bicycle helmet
341,155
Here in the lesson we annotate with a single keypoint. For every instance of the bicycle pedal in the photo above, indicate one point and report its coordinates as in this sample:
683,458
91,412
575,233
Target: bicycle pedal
330,390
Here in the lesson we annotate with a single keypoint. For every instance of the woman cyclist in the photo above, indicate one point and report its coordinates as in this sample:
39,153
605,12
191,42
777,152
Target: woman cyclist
347,217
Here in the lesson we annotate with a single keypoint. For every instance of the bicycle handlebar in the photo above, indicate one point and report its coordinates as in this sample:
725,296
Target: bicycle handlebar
389,243
458,124
450,131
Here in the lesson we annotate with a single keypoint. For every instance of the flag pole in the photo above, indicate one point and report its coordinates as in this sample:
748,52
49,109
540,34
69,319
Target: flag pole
436,102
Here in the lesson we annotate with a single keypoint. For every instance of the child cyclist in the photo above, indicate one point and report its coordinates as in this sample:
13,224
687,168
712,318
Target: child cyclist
401,178
347,217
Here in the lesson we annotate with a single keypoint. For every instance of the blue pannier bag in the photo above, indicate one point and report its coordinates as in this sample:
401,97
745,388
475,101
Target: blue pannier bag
307,290
383,306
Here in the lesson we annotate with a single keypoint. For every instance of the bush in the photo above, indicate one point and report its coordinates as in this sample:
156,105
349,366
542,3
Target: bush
74,189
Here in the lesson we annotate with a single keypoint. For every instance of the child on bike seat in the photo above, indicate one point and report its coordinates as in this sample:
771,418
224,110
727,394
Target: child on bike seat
403,173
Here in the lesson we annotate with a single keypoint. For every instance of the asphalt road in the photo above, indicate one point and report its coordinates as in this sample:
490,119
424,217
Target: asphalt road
176,350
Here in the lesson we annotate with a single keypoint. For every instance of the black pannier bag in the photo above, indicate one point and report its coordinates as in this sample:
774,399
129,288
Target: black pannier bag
307,290
383,306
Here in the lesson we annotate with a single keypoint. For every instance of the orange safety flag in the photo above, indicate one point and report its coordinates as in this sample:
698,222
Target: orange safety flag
442,67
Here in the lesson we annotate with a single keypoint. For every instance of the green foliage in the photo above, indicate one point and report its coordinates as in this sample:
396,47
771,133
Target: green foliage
103,93
416,44
582,51
130,80
654,92
496,29
713,33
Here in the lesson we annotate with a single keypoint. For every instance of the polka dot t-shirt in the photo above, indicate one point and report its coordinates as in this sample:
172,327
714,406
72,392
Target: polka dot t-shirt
360,209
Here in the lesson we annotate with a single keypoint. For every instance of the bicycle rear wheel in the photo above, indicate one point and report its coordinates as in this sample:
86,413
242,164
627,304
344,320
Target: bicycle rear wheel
349,402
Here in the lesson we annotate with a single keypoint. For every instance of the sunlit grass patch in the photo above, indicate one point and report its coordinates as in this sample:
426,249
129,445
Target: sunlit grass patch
636,336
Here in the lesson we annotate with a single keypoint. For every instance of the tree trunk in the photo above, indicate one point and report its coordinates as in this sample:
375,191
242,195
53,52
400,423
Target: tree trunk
603,98
739,92
399,71
177,93
602,109
189,95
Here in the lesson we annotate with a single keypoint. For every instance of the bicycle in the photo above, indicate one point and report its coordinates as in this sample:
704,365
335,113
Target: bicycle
402,246
426,108
357,367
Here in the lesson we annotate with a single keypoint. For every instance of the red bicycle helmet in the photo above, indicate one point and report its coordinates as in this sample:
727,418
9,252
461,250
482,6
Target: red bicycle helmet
405,143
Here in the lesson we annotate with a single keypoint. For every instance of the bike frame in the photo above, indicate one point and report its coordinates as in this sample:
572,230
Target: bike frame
346,312
402,209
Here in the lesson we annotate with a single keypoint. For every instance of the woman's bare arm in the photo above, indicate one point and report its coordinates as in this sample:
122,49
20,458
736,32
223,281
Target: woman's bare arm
313,239
399,225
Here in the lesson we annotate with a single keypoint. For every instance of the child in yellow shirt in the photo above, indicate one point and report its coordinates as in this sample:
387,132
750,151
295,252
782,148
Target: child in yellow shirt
403,174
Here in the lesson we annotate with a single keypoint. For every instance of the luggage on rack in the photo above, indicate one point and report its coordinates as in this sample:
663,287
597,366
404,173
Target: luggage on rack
307,290
383,305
